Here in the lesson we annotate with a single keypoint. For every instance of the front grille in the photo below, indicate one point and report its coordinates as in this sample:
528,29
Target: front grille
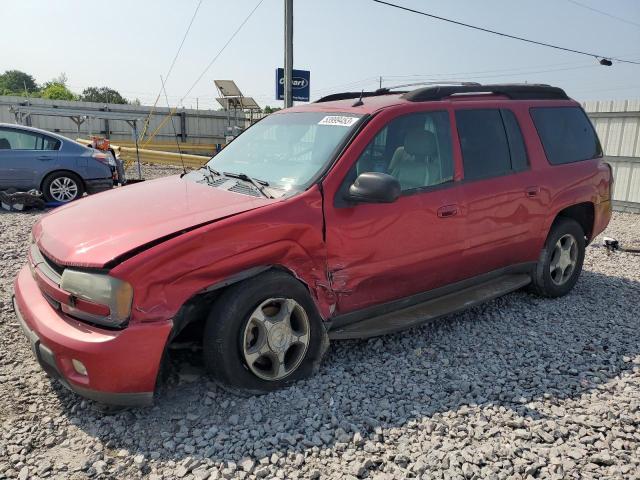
48,267
59,269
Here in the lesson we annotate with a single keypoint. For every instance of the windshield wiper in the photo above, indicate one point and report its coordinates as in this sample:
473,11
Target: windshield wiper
212,171
256,182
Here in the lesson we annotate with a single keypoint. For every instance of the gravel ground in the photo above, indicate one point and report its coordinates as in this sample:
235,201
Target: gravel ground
520,387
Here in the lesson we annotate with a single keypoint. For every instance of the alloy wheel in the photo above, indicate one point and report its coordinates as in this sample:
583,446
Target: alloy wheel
276,338
63,189
563,259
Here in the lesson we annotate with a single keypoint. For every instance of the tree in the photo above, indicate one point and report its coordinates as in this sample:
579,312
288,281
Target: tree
59,80
102,95
57,91
269,109
15,81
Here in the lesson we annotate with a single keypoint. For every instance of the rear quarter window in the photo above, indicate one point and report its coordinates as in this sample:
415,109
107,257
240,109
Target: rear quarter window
566,134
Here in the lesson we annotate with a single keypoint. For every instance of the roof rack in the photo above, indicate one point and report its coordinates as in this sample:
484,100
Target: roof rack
512,90
348,95
441,90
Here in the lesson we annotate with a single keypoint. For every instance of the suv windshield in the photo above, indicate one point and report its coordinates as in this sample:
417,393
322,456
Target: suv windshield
287,149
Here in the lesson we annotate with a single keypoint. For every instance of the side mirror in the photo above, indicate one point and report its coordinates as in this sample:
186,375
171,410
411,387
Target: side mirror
374,187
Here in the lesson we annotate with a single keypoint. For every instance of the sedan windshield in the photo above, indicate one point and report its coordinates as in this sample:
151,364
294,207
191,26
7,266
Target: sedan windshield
285,150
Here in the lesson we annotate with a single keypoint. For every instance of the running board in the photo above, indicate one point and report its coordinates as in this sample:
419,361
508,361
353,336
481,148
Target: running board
430,310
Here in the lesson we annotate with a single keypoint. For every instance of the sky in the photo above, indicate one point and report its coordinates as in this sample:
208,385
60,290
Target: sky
347,45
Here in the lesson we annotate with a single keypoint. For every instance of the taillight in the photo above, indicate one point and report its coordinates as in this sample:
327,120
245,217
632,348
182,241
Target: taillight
101,157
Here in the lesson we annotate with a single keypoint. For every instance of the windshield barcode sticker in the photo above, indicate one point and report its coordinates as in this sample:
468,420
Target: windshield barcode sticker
339,120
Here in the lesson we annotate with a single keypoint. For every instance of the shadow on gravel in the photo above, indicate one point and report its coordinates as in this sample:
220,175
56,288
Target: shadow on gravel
515,352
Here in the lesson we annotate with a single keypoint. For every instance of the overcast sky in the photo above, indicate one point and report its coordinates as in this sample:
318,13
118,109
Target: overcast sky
346,44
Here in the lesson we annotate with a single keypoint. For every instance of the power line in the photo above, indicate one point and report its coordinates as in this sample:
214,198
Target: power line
604,13
499,70
494,32
173,62
166,77
222,49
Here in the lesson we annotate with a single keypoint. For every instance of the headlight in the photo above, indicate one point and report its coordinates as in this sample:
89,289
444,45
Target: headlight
100,298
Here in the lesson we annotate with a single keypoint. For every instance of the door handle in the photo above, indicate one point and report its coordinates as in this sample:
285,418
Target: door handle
532,191
447,211
45,157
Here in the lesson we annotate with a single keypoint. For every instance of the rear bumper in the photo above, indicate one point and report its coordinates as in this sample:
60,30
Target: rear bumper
602,216
122,366
99,185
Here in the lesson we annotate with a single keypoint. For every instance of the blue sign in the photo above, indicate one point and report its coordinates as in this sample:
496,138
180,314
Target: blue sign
299,85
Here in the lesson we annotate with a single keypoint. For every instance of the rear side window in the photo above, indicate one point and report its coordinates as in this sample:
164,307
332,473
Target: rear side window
11,139
491,143
566,134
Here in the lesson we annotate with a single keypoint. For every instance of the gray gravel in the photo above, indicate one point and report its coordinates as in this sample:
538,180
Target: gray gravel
521,387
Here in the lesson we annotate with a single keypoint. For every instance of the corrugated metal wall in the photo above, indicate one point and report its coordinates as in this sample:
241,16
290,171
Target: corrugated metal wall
618,125
202,126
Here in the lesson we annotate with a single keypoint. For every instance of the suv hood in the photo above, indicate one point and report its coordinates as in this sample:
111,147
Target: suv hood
97,229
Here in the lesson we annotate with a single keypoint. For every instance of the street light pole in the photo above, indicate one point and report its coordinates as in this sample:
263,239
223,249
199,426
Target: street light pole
288,53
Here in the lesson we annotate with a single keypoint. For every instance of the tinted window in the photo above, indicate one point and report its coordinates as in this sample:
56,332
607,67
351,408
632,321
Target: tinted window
11,139
485,149
516,142
416,149
566,134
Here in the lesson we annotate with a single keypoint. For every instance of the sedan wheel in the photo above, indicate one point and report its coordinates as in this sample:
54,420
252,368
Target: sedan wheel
63,189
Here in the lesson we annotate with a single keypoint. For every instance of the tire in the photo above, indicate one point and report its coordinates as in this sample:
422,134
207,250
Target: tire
236,333
62,187
556,272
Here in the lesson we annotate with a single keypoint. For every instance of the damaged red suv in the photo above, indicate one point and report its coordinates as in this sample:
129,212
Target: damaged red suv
355,216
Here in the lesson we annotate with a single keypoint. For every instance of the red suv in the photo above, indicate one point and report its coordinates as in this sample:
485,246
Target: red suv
357,215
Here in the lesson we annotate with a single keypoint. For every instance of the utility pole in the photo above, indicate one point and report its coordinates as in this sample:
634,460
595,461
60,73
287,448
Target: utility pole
288,53
380,81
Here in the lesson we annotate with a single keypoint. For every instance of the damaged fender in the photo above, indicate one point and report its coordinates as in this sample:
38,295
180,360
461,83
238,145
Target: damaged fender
166,275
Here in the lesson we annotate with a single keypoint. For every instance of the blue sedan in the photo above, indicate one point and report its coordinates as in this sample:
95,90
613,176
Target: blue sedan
59,167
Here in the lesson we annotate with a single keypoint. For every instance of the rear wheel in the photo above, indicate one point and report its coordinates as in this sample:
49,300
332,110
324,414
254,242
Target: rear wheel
62,187
263,334
561,259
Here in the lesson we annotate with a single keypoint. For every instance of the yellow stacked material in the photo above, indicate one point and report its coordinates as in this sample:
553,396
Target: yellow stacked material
128,155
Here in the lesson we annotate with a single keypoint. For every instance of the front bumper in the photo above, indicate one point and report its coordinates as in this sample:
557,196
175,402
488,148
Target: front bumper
122,366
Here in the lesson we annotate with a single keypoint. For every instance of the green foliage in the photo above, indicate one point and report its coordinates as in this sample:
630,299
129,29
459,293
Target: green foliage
102,95
57,91
269,109
13,82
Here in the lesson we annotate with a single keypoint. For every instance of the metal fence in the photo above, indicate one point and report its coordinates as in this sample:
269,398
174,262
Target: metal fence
196,127
618,126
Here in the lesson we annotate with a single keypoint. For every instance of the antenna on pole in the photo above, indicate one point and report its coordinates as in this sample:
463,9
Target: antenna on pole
288,53
175,133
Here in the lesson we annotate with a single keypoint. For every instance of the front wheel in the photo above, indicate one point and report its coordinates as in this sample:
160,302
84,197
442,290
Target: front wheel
560,262
263,334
